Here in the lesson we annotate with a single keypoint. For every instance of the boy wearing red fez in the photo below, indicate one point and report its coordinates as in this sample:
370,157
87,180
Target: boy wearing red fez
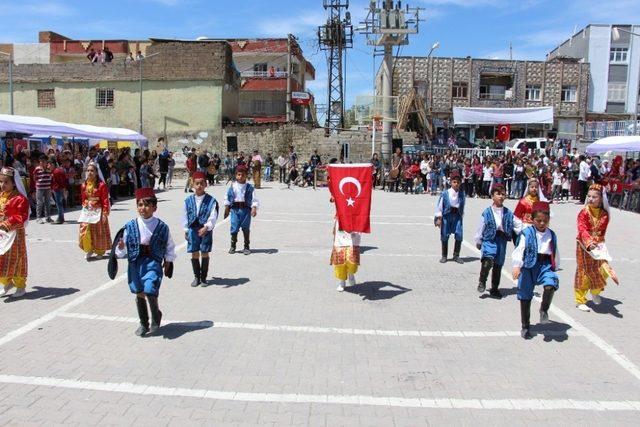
199,215
242,204
535,261
150,250
448,217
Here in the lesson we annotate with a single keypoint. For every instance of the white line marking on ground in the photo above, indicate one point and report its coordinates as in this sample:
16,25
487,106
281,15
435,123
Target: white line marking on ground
10,336
442,403
591,336
323,330
330,215
303,221
368,253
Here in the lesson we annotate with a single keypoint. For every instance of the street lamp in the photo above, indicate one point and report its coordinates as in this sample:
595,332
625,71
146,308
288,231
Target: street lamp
140,61
616,36
10,55
433,47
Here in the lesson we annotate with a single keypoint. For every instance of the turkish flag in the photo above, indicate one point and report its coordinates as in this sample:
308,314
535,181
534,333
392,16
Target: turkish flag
504,132
351,186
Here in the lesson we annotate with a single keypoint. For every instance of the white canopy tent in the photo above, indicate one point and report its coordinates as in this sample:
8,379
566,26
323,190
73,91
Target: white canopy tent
42,126
615,143
501,116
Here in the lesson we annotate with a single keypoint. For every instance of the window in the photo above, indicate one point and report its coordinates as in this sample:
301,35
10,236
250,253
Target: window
495,85
459,90
260,67
46,98
104,98
568,94
617,92
533,93
259,106
618,55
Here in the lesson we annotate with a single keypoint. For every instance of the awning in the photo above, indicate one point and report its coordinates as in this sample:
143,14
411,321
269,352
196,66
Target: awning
502,116
43,126
114,144
615,143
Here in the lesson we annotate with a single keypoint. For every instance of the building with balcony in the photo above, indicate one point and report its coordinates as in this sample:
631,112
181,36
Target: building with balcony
263,66
614,68
444,83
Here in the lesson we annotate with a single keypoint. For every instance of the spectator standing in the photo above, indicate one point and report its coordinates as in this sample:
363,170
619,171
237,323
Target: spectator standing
59,184
171,167
108,55
282,168
42,178
256,167
584,173
268,167
191,169
163,168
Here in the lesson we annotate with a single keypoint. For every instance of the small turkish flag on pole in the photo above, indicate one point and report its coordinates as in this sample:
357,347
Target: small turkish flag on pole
504,132
351,186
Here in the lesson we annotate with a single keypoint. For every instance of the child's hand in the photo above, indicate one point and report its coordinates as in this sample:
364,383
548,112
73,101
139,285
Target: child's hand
254,211
439,222
121,244
227,209
202,231
479,246
516,273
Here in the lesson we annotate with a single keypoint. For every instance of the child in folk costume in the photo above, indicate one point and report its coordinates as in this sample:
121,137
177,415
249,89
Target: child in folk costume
497,226
150,250
242,204
535,261
94,195
14,215
345,256
524,208
448,217
199,217
591,255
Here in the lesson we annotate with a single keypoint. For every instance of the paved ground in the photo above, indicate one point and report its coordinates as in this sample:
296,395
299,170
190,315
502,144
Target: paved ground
272,342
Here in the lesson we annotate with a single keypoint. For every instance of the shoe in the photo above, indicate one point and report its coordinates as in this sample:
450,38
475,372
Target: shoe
41,221
340,287
443,260
20,292
596,299
458,260
49,219
352,280
544,317
246,251
6,290
232,250
482,287
142,331
496,294
583,307
524,333
196,282
88,256
155,324
59,221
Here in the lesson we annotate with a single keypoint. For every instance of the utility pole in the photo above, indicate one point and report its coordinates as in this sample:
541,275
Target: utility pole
289,67
388,25
10,55
140,61
334,37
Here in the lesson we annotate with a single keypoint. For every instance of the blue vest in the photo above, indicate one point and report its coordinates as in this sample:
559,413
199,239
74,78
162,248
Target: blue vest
198,219
531,247
158,242
248,195
446,205
490,226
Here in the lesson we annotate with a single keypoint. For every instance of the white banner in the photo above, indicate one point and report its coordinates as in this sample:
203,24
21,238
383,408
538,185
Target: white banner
500,116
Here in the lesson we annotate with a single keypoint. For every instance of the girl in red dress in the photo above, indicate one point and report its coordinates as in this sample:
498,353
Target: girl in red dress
14,215
94,194
524,208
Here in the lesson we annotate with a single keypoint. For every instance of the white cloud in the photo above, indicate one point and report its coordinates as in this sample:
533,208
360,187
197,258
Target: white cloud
305,23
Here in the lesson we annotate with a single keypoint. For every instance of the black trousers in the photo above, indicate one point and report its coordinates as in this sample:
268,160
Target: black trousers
584,189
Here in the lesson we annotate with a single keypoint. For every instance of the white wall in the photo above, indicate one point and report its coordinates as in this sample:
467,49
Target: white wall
634,71
31,53
599,46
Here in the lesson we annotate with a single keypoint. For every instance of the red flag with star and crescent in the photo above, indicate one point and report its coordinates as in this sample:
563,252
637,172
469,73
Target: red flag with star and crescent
504,133
351,186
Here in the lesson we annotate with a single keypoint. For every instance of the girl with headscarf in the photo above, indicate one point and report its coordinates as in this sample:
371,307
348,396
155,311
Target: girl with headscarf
95,236
14,215
524,208
592,256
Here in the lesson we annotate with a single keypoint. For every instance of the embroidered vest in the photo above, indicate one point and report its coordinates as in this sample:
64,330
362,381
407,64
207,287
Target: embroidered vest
158,242
490,226
530,256
248,195
198,219
446,205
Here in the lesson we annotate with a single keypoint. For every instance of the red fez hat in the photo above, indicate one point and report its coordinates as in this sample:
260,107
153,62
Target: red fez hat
497,187
199,175
144,193
454,174
540,207
241,168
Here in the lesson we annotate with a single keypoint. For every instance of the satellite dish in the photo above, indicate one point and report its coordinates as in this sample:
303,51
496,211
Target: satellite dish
203,135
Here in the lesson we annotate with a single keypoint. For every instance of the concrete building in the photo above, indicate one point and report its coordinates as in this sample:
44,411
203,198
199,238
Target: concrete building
444,83
263,66
614,67
188,89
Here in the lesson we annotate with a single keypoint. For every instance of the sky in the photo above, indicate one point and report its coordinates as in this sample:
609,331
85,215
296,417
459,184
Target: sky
477,28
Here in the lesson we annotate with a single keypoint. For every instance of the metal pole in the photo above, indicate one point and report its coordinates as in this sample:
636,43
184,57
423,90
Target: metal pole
289,66
373,139
387,83
140,67
11,83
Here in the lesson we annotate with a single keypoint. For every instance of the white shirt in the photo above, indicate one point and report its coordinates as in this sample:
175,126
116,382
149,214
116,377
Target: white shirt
238,195
453,201
424,167
211,221
585,171
544,247
487,173
146,227
497,217
557,178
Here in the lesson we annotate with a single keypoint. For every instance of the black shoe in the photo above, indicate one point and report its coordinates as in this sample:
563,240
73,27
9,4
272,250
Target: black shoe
142,331
443,260
494,293
204,271
524,333
195,283
195,264
457,259
482,287
155,323
246,251
232,250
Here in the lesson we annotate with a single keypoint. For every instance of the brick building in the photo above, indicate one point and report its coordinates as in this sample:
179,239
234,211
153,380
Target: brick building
444,83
